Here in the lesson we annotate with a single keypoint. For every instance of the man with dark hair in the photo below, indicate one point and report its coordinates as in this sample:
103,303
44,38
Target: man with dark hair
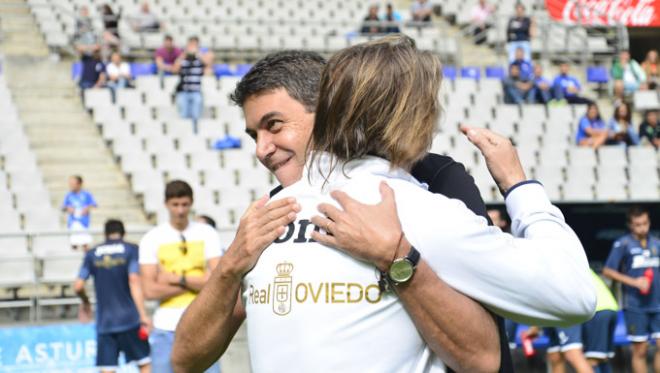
166,56
120,311
190,66
176,259
634,262
278,97
78,204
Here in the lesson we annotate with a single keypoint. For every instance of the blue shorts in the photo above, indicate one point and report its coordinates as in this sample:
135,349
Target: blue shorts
564,339
162,342
511,328
108,346
598,335
642,325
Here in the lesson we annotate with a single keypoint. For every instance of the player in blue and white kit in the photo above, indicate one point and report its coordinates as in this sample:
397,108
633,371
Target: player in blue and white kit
631,256
119,301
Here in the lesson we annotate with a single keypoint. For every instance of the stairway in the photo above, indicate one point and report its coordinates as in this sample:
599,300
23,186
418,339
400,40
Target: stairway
62,134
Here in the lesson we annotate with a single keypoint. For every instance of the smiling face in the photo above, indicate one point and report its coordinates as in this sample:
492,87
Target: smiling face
281,127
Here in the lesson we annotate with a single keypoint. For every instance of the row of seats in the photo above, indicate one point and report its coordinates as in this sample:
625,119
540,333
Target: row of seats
26,201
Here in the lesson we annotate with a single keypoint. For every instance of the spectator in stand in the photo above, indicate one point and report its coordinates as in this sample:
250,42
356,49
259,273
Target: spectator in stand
542,91
524,65
166,56
481,20
620,127
517,89
93,71
591,131
391,20
110,27
649,130
421,11
85,39
144,20
78,204
120,311
190,66
519,32
650,67
628,76
634,263
371,23
118,73
567,87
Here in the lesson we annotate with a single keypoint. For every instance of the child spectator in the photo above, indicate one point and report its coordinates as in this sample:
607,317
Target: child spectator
591,131
627,74
620,127
77,204
567,87
649,130
650,67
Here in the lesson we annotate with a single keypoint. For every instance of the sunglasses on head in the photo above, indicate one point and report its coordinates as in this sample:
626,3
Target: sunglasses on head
183,246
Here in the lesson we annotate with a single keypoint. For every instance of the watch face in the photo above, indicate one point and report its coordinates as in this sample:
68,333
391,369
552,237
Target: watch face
401,270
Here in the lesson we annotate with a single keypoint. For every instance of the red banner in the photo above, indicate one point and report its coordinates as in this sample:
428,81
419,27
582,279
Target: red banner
632,13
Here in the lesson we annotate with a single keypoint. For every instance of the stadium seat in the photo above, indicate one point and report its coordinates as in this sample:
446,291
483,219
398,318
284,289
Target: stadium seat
612,156
597,74
222,69
47,245
141,69
495,72
582,156
449,72
18,272
471,72
577,191
611,191
646,100
76,70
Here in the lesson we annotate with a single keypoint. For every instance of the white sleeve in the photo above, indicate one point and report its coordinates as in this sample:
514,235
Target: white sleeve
540,278
125,68
111,69
212,247
147,254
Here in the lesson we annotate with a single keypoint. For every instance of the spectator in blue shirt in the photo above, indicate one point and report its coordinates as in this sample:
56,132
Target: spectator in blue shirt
542,90
391,20
632,257
120,311
77,204
591,131
525,66
93,71
568,87
620,127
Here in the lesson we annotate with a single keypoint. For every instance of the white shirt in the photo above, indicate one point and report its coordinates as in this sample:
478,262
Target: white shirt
163,245
314,308
113,70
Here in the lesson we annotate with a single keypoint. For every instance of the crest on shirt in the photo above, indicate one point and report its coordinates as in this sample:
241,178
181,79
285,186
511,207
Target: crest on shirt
283,285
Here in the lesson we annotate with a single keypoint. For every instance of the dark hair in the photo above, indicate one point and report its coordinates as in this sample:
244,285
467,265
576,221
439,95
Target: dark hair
168,37
617,114
209,220
589,106
113,226
635,212
177,189
193,38
647,113
298,72
107,10
78,178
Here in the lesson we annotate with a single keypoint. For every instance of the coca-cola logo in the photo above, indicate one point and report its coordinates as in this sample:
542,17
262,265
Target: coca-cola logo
635,13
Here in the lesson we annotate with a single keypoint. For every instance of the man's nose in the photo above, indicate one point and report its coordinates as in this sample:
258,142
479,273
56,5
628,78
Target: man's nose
264,144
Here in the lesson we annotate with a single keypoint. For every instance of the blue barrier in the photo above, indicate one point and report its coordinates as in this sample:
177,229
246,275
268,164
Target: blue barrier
36,349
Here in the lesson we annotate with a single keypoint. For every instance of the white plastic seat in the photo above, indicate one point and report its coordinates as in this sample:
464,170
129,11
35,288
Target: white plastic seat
41,220
644,192
220,178
611,191
583,173
577,190
612,156
128,97
611,173
60,268
204,160
233,158
170,161
582,156
97,97
46,245
643,156
144,180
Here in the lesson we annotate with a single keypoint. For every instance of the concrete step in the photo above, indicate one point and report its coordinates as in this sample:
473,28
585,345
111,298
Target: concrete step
68,120
51,105
88,143
55,133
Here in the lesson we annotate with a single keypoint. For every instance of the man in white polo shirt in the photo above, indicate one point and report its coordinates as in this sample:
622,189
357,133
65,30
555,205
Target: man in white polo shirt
176,259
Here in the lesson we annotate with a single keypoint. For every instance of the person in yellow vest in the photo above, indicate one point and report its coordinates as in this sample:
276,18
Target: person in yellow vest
598,333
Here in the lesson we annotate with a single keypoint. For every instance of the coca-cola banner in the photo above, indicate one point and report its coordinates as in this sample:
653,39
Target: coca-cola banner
633,13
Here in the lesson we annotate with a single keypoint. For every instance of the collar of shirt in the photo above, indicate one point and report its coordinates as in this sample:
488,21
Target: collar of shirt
317,171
